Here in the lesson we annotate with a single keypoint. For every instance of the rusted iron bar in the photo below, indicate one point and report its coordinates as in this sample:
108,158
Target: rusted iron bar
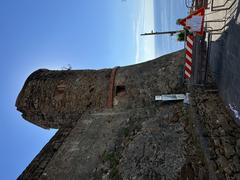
111,87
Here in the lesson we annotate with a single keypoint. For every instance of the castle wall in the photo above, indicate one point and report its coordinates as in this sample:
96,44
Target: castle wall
117,142
53,99
36,168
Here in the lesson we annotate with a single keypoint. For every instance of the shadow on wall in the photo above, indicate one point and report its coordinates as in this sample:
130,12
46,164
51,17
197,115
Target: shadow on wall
225,65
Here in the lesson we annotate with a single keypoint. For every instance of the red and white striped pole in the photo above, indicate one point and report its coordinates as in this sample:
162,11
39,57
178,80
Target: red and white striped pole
188,60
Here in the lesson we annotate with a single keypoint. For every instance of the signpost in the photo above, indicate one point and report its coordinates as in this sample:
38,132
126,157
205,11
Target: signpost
194,22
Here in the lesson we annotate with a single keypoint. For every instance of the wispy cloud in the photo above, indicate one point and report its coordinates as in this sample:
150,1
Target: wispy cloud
166,13
145,45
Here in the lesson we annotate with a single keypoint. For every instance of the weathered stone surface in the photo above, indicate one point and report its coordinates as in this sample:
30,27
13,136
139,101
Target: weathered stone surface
35,169
229,150
237,176
138,138
236,164
155,152
53,99
222,132
238,147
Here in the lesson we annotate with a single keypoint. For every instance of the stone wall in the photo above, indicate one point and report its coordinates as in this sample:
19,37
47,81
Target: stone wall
138,138
39,163
221,133
53,99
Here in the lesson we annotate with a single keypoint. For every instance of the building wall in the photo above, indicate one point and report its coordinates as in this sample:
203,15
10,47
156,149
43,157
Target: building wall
225,66
137,138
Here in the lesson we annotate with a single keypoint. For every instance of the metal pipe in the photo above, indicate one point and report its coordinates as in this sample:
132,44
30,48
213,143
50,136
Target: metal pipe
208,55
158,33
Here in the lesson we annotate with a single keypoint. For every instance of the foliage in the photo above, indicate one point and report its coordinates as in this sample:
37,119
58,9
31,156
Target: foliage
126,132
178,21
181,36
113,159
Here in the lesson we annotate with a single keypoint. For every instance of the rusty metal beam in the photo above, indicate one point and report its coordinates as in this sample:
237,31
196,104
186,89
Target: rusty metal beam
111,87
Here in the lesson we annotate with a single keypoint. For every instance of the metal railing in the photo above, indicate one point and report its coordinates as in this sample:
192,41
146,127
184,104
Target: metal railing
222,7
208,56
230,12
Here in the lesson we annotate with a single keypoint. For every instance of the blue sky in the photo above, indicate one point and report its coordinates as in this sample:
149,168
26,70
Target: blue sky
85,34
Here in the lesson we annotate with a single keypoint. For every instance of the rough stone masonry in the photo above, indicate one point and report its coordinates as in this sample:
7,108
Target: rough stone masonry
136,139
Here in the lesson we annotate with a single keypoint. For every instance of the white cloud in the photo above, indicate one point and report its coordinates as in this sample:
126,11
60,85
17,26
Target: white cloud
145,45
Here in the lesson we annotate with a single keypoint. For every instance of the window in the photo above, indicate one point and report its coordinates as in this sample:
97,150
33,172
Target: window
120,90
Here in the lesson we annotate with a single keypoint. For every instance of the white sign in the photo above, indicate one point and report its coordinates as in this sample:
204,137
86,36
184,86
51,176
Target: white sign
170,97
195,23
